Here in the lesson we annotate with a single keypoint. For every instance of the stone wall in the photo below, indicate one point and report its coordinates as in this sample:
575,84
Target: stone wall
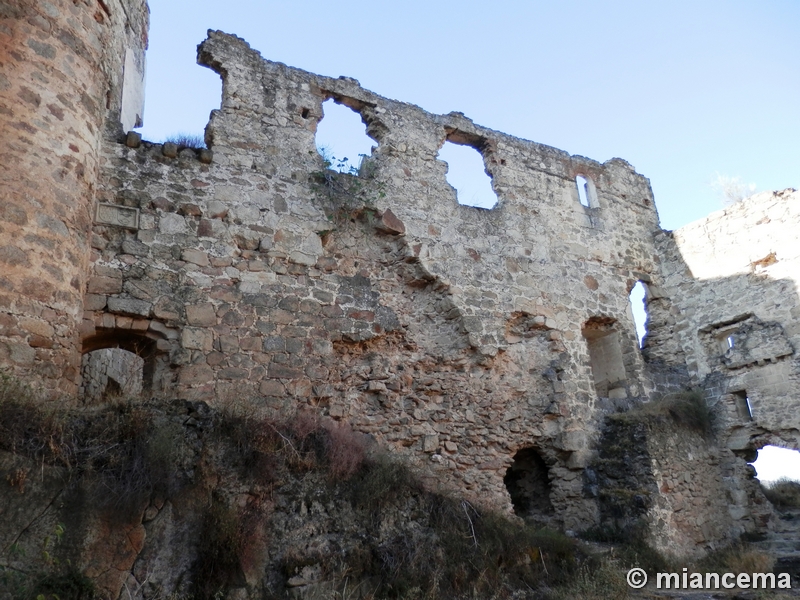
462,337
735,275
673,484
59,83
454,332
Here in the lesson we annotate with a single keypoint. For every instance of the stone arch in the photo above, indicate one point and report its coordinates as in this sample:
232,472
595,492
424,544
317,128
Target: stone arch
151,347
528,483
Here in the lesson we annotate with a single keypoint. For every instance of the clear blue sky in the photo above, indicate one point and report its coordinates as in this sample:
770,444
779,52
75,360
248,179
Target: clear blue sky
683,90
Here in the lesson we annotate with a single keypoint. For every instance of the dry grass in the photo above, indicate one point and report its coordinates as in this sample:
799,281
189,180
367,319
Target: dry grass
687,409
126,455
783,493
606,582
737,558
187,140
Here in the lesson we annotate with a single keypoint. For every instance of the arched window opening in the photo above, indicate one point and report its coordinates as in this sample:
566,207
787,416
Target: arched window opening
586,191
605,355
466,172
638,302
121,362
342,139
528,483
111,373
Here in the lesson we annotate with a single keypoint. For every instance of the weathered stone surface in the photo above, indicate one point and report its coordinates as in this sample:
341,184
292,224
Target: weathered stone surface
129,306
460,338
389,223
202,315
104,285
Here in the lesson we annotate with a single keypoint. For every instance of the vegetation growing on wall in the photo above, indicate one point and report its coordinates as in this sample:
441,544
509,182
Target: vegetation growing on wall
686,409
413,542
783,493
347,190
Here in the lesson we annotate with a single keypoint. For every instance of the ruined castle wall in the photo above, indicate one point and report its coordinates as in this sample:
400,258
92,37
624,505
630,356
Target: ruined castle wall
734,275
691,494
455,334
706,497
60,61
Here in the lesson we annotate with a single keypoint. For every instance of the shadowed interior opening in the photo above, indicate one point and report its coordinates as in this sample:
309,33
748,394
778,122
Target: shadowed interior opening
528,484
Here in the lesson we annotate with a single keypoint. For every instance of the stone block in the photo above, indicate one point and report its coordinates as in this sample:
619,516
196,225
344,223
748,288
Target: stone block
94,302
104,285
123,322
430,443
20,353
37,326
37,341
271,387
201,315
170,223
194,338
133,139
167,308
195,375
135,247
389,223
278,371
129,306
170,150
195,257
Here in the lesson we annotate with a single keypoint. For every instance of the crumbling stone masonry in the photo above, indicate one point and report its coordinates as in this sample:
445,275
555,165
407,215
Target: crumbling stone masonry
460,336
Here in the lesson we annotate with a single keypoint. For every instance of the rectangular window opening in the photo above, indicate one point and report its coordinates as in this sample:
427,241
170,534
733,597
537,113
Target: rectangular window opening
743,406
608,368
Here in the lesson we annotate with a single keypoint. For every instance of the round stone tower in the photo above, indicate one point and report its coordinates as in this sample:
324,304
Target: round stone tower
70,77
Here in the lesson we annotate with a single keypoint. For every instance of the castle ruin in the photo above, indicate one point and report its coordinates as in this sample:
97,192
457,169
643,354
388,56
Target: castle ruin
487,345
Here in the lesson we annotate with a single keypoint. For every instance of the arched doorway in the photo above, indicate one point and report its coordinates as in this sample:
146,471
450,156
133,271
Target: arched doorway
528,483
121,362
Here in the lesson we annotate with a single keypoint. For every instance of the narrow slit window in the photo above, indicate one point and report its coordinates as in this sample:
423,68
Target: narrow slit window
743,407
466,173
726,340
342,138
583,194
587,194
637,299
